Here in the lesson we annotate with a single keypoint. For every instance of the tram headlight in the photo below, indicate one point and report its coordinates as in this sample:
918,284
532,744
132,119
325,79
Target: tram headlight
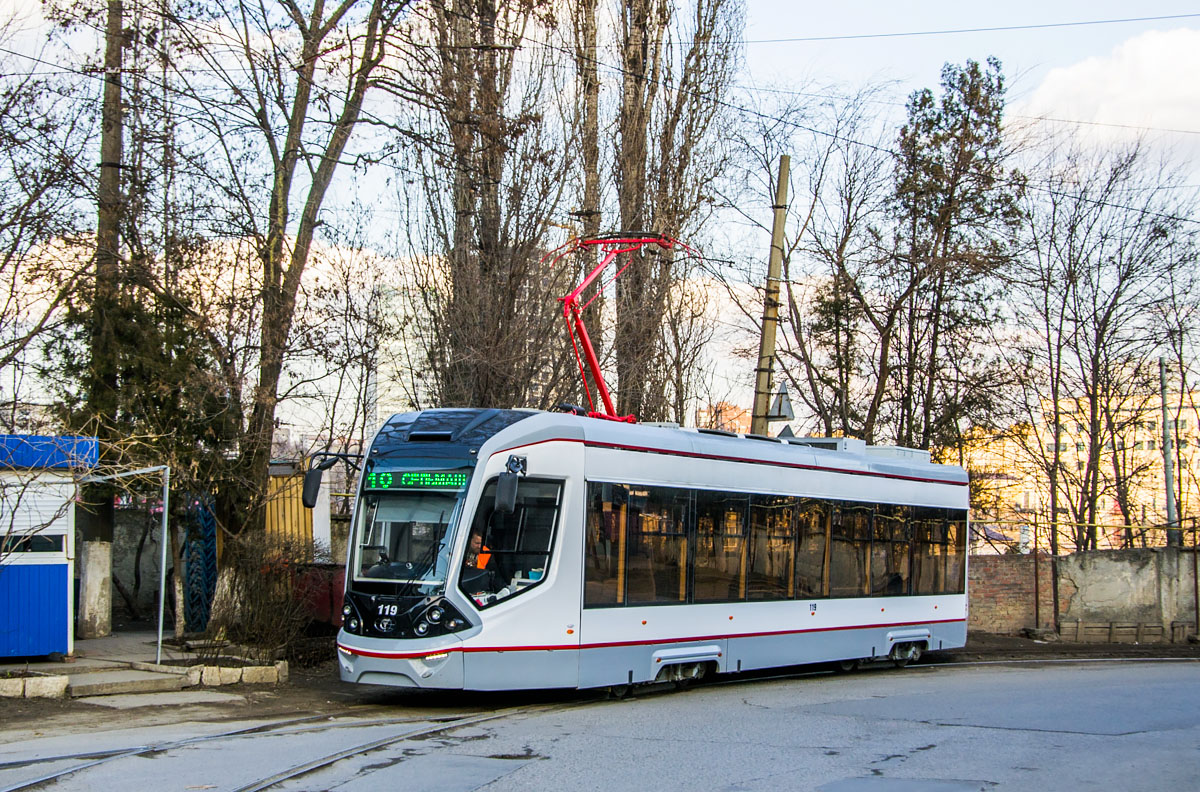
352,625
347,609
421,629
435,614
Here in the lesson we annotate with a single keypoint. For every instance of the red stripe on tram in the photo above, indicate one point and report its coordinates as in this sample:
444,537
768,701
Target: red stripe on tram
614,644
720,458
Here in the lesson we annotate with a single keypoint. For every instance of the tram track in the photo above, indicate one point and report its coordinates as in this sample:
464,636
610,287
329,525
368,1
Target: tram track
430,726
311,723
823,669
437,724
325,761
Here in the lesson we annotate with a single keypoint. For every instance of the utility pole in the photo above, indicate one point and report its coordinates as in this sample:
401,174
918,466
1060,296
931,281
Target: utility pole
96,519
1174,535
766,347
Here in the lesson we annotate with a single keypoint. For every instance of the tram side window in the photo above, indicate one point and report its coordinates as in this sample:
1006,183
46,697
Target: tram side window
719,558
603,572
771,552
656,545
956,552
510,553
850,546
890,549
813,519
929,550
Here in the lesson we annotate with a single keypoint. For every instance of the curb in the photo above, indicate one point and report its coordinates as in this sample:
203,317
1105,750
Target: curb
36,685
216,676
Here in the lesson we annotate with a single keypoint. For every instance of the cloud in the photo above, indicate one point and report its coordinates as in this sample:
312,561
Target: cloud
1147,81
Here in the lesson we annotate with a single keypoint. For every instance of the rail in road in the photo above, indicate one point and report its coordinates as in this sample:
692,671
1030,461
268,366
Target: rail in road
419,728
281,754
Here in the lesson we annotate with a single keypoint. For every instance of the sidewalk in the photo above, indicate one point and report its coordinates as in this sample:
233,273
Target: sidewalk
118,664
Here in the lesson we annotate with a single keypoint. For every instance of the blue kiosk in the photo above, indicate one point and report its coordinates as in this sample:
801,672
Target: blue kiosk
37,541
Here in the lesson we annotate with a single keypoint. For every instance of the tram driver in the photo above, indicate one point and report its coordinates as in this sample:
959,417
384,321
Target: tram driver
480,573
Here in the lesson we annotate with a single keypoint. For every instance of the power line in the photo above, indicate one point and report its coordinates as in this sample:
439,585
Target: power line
956,31
890,103
863,144
789,122
1110,124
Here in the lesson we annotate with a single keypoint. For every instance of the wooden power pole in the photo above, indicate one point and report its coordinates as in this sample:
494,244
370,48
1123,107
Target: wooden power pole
766,348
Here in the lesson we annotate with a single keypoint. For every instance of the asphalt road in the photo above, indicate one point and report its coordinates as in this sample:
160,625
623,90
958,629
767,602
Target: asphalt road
1130,725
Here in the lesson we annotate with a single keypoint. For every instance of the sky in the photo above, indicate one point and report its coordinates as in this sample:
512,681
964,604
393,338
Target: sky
1119,74
1109,83
1109,70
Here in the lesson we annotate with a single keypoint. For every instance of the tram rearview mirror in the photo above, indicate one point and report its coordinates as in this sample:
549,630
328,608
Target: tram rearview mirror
506,493
312,487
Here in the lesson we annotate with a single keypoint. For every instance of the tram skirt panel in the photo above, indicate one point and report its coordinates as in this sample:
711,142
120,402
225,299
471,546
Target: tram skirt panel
522,668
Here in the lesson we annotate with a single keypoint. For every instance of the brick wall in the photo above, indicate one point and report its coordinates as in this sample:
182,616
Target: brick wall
1001,592
1152,586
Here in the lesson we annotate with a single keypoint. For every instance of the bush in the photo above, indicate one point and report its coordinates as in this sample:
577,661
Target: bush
262,612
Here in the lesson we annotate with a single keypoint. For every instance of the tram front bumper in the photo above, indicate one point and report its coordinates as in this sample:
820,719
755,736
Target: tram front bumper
438,668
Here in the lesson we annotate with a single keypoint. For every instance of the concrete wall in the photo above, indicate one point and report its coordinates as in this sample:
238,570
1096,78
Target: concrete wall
1155,586
130,526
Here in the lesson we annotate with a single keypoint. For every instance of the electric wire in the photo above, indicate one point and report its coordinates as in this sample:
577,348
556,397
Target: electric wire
959,31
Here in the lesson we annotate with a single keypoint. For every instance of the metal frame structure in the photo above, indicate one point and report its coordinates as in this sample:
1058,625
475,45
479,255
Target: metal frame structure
611,246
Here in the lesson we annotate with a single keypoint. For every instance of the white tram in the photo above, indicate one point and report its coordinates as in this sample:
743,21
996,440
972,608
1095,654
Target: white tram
499,549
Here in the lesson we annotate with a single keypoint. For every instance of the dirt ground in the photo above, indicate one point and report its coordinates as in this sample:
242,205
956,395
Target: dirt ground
316,691
987,646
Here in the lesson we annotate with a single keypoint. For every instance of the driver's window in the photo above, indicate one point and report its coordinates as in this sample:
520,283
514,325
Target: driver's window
507,554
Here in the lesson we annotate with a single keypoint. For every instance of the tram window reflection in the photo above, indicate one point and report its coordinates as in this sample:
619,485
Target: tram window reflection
890,550
956,550
656,545
719,560
929,554
604,562
813,523
771,550
850,546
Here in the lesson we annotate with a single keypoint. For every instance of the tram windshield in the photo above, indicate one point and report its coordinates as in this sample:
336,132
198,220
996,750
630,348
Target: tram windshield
404,536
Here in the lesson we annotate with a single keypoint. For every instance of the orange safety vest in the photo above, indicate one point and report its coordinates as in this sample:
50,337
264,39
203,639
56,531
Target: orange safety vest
485,555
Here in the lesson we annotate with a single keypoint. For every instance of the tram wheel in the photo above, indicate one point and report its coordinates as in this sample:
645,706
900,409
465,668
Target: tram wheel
903,655
619,691
847,666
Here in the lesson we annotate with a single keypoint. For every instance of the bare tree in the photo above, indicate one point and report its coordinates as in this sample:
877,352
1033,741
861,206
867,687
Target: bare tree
672,111
1109,244
44,132
483,183
277,90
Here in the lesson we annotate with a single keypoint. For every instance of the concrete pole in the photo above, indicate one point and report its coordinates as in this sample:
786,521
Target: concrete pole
766,348
1173,535
95,578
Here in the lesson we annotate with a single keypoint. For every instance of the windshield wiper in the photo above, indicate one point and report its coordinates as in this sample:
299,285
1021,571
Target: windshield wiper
426,561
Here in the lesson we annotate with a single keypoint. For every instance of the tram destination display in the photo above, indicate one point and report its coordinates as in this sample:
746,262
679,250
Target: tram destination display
415,479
